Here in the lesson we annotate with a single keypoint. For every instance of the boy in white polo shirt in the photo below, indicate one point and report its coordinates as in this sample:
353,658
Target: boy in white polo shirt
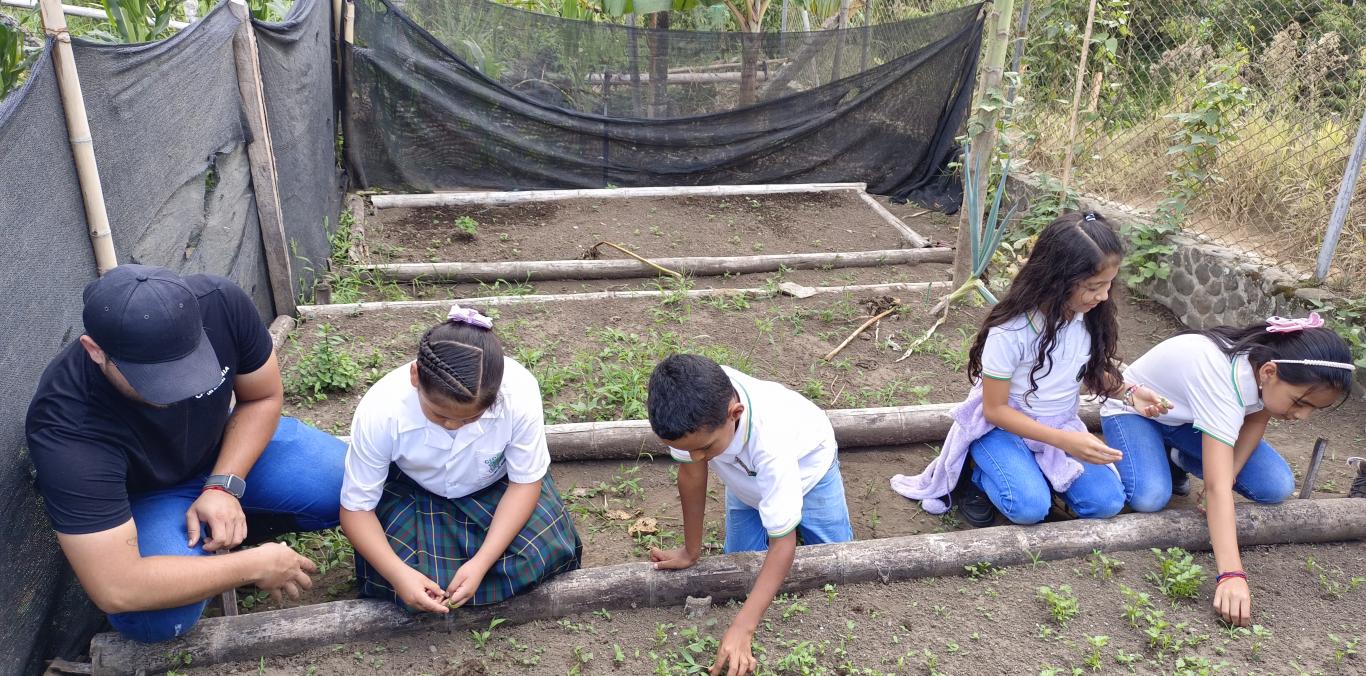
776,453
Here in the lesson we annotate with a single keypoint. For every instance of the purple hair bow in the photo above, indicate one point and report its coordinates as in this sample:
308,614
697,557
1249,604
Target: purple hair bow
468,316
1284,325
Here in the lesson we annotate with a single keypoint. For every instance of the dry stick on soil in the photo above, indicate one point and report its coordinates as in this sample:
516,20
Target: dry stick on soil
634,585
877,318
593,252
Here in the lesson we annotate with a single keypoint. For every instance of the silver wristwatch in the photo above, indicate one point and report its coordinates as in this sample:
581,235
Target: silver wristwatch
233,484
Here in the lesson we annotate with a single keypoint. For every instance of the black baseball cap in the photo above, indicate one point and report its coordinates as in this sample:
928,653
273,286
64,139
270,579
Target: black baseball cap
146,319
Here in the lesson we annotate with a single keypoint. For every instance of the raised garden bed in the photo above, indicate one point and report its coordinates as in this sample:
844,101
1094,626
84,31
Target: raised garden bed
650,226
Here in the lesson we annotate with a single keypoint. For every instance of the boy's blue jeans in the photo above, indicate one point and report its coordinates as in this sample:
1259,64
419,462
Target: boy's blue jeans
825,517
1147,478
299,473
1006,471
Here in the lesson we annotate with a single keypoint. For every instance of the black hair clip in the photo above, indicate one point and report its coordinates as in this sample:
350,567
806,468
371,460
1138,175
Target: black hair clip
1089,216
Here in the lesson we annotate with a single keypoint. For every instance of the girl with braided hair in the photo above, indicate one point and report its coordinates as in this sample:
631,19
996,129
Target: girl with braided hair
447,495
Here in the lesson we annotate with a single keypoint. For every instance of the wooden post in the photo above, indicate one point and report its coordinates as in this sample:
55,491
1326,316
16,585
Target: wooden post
1076,99
78,132
262,159
1342,203
983,139
843,25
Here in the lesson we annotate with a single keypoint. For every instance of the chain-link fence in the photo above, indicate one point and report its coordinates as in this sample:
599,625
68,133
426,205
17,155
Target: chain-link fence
1241,114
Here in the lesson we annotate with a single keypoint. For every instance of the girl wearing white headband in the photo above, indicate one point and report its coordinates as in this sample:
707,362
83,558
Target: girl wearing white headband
1224,385
447,494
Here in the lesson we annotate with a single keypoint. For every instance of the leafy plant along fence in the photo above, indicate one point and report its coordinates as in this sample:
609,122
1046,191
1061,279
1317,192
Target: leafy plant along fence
1234,119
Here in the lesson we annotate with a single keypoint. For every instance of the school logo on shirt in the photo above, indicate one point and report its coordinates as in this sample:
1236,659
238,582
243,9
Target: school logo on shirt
494,463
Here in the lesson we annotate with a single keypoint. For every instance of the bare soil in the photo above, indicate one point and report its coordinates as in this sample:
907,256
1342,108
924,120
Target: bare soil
994,624
651,227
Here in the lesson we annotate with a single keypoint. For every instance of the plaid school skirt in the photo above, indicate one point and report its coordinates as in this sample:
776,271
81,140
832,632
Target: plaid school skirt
436,535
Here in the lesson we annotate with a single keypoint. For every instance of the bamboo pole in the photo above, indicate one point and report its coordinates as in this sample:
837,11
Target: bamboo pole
623,440
983,142
1076,98
349,23
695,266
448,199
343,309
261,156
911,236
726,577
78,133
593,250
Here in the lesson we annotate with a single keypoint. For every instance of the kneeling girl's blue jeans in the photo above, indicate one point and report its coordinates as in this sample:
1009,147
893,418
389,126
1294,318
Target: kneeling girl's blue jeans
1147,478
299,473
1007,472
825,517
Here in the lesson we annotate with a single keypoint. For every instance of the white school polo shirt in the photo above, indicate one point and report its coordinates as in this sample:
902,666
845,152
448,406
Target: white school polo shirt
389,427
1207,389
783,446
1009,354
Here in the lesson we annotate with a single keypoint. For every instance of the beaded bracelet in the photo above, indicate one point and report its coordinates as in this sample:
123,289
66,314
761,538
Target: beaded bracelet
1128,397
1218,580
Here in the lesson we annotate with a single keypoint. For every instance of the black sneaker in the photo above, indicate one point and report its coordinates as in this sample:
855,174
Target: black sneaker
973,505
1359,483
1181,481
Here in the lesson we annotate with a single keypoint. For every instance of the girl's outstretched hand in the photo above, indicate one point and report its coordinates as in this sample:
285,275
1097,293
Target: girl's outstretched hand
1233,601
1149,403
1088,447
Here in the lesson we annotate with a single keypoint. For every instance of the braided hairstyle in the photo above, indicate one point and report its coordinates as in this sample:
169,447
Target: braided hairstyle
460,363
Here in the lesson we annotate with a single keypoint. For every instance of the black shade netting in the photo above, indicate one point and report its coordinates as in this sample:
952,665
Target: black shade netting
450,94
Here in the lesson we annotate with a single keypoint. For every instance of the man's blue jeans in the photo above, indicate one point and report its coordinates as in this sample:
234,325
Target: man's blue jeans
299,474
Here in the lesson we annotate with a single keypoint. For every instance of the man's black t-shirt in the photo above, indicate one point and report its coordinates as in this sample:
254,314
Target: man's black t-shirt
93,447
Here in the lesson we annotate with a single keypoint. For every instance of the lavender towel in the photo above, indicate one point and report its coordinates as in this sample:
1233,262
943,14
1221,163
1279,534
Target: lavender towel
931,487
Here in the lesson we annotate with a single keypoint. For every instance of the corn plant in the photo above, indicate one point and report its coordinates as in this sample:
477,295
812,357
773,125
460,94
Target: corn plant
16,55
140,20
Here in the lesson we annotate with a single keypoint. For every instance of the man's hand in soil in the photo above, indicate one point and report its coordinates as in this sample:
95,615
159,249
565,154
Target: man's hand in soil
223,514
1233,601
735,656
674,559
466,582
283,572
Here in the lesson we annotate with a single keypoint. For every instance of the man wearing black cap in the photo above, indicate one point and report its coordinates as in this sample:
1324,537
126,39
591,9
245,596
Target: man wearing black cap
146,465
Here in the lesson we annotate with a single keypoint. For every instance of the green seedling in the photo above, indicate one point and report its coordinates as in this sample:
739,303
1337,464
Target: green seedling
466,227
324,369
481,636
1093,658
1177,576
981,569
1062,603
796,608
1343,648
618,655
830,592
1104,567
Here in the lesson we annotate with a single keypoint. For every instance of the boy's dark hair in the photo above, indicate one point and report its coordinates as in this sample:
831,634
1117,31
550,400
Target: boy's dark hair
461,363
688,393
1070,249
1262,346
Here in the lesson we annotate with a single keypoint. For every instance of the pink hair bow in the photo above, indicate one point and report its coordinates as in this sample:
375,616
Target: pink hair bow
1284,325
468,316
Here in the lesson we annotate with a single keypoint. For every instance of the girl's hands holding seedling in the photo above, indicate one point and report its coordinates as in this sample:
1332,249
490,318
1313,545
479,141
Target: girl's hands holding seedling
1149,403
1089,448
419,591
465,582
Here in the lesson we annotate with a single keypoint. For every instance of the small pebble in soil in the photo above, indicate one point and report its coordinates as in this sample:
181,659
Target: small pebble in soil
695,607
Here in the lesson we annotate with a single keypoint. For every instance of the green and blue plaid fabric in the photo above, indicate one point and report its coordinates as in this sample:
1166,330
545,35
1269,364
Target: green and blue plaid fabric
436,535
